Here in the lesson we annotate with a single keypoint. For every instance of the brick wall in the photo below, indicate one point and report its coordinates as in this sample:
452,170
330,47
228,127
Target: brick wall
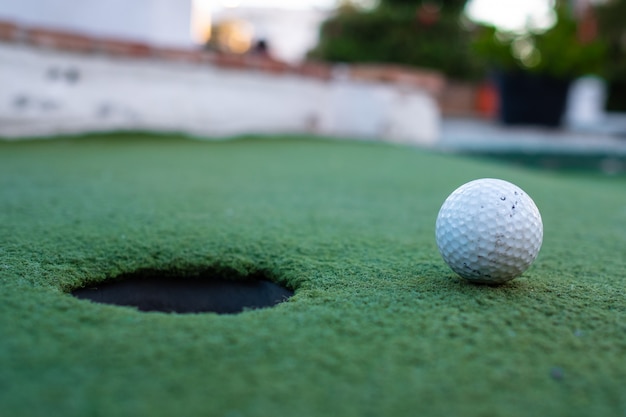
79,43
454,99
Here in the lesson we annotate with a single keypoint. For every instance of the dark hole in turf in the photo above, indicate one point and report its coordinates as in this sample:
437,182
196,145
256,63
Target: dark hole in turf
206,292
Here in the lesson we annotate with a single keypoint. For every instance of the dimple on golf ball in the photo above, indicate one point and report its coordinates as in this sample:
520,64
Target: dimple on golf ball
489,231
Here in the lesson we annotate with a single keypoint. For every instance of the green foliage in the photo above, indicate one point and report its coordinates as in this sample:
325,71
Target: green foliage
612,29
494,47
556,52
457,5
394,33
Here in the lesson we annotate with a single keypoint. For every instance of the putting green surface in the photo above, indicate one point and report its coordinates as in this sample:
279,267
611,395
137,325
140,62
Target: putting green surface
378,325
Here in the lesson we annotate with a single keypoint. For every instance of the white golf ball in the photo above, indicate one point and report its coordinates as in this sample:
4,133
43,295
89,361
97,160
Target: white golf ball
489,231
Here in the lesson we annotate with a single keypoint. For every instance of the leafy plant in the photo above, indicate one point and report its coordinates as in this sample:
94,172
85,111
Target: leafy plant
423,34
612,29
556,52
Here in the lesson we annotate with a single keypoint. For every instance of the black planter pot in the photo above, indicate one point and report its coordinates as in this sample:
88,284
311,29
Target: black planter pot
531,99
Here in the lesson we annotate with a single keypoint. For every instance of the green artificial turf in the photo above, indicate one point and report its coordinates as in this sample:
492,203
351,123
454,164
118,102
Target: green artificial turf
378,325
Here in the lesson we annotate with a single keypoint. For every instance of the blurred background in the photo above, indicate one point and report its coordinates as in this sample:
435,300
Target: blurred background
448,73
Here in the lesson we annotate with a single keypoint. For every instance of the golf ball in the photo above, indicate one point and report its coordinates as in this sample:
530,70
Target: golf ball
489,231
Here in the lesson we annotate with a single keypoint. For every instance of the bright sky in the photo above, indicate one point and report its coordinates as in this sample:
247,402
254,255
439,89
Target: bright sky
512,14
508,14
283,4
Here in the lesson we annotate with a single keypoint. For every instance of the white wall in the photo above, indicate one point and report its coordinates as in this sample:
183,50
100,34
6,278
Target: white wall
43,92
158,22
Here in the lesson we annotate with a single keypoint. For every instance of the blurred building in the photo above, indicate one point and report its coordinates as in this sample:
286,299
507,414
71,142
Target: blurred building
83,65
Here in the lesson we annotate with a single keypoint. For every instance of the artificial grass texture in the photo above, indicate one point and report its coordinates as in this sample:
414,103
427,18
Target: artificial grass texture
378,325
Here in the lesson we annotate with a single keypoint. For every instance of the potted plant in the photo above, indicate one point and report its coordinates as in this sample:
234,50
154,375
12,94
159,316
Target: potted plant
533,70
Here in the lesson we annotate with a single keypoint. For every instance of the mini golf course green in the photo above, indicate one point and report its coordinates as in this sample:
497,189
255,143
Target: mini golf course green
378,325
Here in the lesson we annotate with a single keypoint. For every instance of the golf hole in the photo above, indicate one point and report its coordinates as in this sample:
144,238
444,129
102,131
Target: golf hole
209,291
